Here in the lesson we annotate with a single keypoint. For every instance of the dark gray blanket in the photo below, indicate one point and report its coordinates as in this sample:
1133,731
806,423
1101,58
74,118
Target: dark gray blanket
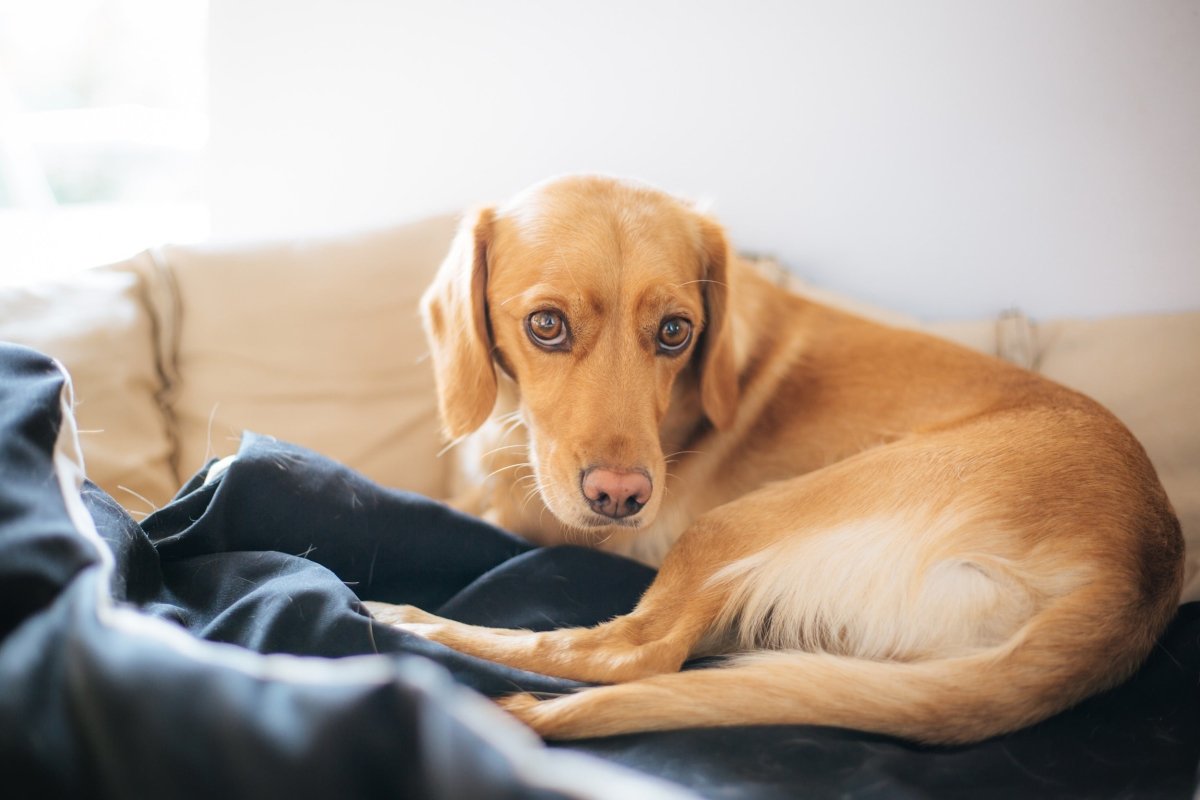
109,686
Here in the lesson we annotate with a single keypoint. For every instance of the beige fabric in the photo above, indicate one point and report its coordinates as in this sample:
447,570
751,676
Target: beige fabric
96,324
317,343
1012,336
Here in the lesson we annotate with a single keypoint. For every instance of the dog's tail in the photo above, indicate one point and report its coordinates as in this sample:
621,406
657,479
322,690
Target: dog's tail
1068,651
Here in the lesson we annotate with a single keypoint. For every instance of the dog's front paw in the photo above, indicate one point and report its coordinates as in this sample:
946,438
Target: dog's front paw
550,719
523,706
400,616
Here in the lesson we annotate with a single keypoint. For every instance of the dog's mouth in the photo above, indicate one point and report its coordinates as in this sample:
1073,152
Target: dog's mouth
593,520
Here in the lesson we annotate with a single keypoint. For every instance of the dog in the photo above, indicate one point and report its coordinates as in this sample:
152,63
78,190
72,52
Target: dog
878,529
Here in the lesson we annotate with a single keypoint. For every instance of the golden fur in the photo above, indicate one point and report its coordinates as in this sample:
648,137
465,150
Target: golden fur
890,532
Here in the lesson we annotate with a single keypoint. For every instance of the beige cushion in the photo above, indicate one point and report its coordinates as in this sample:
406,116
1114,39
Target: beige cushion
96,324
317,343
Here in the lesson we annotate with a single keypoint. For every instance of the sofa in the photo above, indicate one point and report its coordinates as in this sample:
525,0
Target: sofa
176,352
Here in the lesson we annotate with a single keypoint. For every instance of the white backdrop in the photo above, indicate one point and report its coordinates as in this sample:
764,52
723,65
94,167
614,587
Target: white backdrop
939,157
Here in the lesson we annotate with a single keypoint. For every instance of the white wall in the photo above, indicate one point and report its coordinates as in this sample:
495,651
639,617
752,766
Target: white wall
944,158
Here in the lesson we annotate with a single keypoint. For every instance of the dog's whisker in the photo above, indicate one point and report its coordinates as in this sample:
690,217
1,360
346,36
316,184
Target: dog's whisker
496,472
528,496
510,421
498,448
673,476
450,445
495,450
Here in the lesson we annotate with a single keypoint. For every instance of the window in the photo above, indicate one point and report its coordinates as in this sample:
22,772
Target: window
103,131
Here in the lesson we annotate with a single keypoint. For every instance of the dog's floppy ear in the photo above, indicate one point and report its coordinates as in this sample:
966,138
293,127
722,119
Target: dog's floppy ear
718,367
454,309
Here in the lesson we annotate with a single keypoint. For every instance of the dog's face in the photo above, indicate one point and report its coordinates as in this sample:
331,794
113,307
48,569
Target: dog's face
594,296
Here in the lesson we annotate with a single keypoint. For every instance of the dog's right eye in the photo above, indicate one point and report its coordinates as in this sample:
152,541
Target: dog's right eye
547,329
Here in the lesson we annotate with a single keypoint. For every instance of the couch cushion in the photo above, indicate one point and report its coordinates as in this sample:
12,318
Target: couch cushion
98,326
317,343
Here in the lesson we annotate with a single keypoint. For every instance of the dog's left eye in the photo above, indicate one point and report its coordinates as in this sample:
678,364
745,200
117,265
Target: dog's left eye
547,329
674,334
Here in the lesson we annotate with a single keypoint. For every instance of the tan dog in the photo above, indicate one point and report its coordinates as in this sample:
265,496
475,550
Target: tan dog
895,534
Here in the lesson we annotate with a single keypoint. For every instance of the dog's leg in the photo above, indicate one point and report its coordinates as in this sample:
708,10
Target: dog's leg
645,642
670,620
950,700
929,701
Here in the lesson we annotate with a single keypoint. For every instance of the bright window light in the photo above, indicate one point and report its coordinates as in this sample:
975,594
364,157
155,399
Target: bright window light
103,131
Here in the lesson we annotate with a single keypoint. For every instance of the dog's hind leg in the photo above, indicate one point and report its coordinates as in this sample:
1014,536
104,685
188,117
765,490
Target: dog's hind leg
1068,651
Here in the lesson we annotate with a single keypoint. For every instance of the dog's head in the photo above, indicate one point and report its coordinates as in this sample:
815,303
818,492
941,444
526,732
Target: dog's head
596,297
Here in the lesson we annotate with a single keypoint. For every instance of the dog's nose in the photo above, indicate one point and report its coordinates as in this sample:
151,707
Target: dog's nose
615,493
